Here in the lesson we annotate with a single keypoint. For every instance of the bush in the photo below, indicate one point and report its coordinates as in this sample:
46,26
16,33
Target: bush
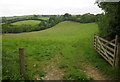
8,28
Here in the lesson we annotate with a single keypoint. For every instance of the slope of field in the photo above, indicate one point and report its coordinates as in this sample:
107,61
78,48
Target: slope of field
66,48
29,22
63,30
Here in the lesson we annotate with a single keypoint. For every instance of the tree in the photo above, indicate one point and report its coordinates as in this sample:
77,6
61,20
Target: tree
43,25
66,16
109,24
88,18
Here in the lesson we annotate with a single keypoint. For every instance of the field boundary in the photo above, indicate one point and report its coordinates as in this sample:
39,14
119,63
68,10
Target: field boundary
109,50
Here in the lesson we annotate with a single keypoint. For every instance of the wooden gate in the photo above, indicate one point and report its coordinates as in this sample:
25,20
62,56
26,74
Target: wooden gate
109,50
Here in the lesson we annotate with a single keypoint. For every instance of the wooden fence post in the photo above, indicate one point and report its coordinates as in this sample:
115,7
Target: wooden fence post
117,60
115,50
21,62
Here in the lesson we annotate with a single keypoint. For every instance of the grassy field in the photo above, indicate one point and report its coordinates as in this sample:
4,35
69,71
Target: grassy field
29,22
72,42
44,18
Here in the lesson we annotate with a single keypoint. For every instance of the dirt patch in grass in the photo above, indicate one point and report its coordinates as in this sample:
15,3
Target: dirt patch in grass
93,72
53,72
37,77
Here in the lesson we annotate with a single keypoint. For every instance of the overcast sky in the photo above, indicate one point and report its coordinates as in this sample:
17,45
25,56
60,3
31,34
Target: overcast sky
30,7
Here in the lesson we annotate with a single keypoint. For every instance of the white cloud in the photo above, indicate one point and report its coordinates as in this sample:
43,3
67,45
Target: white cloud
24,7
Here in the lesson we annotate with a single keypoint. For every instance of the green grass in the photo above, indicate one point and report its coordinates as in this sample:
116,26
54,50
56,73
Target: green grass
29,22
63,31
71,40
44,18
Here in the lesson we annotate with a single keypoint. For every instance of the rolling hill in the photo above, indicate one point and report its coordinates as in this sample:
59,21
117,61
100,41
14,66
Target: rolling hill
65,29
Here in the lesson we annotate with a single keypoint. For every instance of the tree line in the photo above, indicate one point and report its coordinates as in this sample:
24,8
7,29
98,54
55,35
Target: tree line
7,27
16,19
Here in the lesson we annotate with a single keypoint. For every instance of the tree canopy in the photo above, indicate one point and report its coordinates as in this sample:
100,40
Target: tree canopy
109,24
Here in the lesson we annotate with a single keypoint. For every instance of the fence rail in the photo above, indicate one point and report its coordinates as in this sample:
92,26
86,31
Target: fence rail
107,49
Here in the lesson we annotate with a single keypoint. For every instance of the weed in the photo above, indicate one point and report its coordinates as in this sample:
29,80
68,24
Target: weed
42,73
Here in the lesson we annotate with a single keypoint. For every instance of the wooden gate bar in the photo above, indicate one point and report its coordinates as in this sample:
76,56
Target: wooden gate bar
109,50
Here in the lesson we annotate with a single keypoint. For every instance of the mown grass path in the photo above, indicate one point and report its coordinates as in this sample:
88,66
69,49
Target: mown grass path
53,72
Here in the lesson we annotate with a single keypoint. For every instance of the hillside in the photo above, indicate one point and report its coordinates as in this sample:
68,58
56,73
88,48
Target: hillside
65,29
29,22
63,52
46,22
